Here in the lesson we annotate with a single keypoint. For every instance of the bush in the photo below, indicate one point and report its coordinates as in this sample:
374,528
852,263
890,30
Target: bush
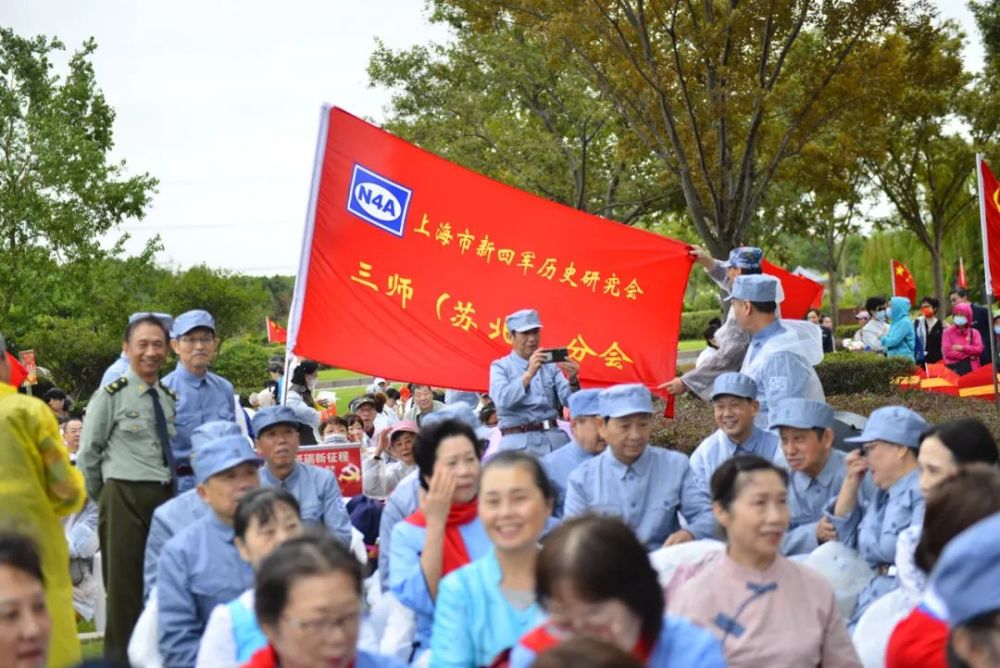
845,332
243,362
854,373
693,323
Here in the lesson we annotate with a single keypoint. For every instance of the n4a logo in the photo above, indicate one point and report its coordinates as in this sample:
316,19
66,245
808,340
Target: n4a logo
379,201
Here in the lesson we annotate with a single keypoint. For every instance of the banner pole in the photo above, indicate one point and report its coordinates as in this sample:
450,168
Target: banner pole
986,274
302,275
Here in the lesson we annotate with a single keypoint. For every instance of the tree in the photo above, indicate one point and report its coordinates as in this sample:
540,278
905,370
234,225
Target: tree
238,304
59,193
722,93
928,165
491,102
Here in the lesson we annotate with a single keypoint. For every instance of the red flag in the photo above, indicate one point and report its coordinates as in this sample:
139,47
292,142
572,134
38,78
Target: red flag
18,373
801,293
961,274
276,333
989,208
903,284
435,257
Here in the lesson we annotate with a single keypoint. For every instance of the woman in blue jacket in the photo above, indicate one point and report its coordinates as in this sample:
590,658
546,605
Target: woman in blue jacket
901,339
485,607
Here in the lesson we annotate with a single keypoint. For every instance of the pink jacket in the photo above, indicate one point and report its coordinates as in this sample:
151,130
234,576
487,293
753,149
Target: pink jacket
967,337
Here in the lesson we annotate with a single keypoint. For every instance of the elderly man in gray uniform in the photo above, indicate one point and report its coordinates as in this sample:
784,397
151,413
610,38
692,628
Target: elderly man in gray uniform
528,390
732,340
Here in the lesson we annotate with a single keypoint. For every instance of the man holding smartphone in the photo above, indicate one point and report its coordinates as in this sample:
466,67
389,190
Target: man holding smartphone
529,386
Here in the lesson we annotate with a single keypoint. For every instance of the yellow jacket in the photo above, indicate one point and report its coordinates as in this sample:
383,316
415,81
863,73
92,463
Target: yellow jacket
37,486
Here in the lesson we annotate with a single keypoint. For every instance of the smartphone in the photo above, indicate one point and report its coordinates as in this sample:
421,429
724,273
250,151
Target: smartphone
553,355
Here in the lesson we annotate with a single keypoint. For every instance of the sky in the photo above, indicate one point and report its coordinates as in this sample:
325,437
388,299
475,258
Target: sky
220,101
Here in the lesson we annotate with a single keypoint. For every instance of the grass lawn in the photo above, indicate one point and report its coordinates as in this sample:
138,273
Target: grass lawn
338,374
345,395
697,344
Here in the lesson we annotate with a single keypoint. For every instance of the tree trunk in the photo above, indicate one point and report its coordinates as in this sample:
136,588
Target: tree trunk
834,302
938,276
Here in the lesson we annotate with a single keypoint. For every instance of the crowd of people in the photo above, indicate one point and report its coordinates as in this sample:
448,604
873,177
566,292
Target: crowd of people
535,525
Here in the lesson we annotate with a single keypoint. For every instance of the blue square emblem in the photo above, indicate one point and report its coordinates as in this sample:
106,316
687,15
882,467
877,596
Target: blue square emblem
379,201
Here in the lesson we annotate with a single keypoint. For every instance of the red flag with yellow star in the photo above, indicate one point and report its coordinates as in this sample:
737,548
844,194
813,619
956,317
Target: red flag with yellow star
903,284
989,209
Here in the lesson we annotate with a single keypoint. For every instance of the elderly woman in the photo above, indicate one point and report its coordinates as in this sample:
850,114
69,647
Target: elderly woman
309,605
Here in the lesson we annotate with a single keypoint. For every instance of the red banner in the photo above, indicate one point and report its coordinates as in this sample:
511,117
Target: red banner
18,374
344,461
275,332
410,265
801,293
989,203
903,284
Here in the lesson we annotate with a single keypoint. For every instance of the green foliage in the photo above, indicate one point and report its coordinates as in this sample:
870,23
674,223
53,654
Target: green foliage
693,323
845,332
75,352
491,101
239,304
59,191
243,362
856,373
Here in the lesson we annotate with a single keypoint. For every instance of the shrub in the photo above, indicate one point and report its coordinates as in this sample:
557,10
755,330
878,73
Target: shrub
845,332
243,362
853,373
693,323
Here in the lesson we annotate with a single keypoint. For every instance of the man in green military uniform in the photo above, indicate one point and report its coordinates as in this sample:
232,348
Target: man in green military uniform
127,463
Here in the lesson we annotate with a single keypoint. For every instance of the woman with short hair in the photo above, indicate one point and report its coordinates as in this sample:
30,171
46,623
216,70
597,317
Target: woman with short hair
766,610
594,579
25,625
309,603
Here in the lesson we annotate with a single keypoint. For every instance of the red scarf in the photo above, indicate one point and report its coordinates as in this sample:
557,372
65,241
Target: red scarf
268,658
454,555
539,640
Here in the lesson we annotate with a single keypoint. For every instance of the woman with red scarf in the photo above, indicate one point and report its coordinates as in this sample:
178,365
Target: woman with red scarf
309,603
594,579
445,533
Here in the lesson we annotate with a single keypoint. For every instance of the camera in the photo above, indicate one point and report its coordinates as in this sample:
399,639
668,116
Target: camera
553,355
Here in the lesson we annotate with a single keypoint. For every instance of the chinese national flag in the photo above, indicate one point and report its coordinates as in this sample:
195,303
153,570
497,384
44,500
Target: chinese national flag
801,293
276,333
18,373
990,206
411,264
903,284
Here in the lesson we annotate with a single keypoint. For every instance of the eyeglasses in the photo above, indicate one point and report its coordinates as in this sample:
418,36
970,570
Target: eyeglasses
198,340
345,623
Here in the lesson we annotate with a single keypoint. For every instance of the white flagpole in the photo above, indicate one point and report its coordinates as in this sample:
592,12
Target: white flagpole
302,275
986,272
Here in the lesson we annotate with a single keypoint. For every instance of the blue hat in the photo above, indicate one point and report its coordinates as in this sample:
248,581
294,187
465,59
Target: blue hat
585,402
458,396
754,288
734,384
459,411
622,400
185,322
965,581
801,414
745,257
272,415
165,318
892,424
523,320
217,447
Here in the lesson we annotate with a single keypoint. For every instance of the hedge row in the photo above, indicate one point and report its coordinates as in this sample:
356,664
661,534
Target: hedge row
853,373
243,362
693,323
845,332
